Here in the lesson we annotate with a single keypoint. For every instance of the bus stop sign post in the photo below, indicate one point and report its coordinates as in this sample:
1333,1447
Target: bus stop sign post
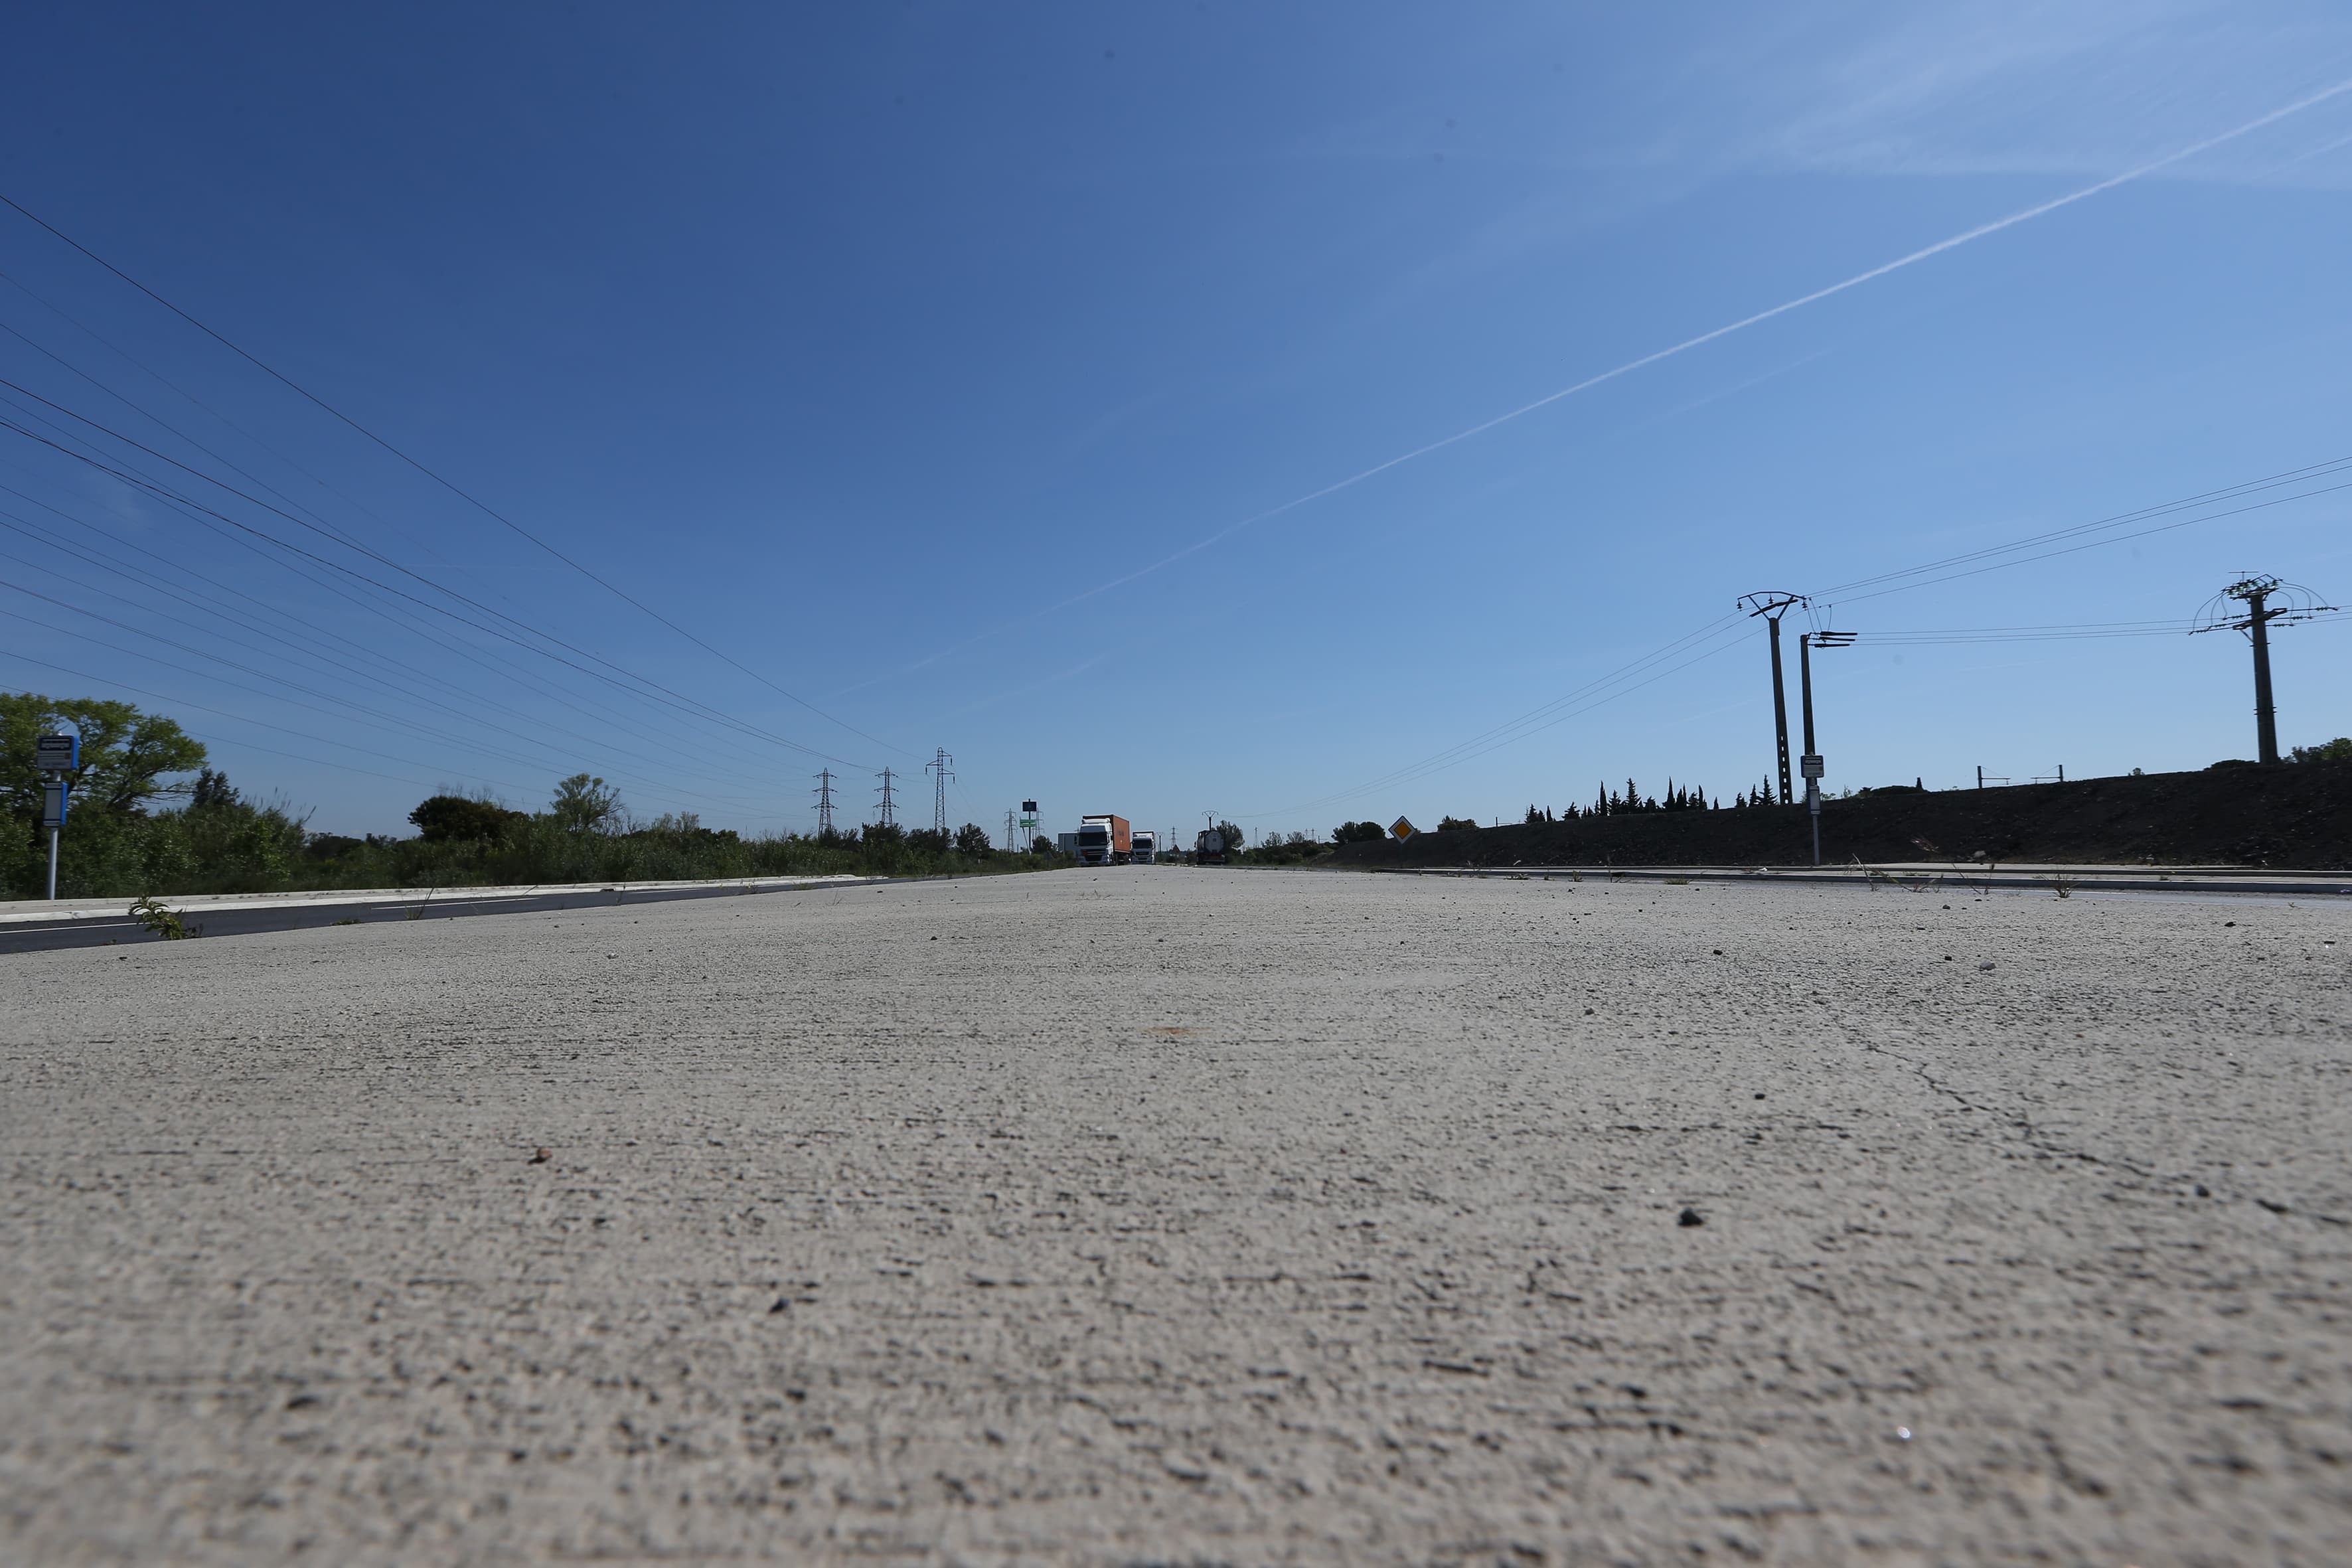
57,756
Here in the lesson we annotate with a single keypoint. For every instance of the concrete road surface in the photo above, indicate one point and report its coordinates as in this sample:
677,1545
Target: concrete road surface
1162,1215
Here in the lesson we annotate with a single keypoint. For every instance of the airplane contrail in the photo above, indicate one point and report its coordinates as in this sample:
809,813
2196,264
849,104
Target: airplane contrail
2024,214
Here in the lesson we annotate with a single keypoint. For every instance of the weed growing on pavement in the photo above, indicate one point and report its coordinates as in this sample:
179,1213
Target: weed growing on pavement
160,918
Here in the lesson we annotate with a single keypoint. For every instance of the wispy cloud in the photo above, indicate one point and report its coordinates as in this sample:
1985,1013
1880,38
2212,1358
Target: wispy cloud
2032,88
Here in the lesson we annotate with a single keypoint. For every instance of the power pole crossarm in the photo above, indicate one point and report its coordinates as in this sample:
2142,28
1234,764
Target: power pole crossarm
1772,606
2262,597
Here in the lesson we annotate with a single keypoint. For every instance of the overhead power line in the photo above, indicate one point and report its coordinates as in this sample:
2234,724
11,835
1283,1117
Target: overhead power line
563,755
2090,631
242,719
470,743
673,697
1976,563
506,670
1619,682
1710,641
452,487
153,417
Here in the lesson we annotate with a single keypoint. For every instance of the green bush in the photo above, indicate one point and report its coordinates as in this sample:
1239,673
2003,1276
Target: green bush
129,835
448,817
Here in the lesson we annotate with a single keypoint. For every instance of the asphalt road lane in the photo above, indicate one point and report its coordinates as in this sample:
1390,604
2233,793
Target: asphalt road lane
1160,1214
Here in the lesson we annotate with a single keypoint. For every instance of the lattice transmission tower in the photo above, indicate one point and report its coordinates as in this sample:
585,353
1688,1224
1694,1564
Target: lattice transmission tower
940,768
889,802
824,793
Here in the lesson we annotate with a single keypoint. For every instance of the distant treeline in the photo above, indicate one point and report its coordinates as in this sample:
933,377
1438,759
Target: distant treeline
1631,802
1292,848
135,828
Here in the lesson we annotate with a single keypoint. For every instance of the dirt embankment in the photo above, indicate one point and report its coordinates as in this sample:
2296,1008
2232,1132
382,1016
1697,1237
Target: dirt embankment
2291,815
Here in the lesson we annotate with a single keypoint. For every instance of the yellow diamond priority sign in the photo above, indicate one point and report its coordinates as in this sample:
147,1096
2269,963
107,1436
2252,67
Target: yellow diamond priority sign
1402,829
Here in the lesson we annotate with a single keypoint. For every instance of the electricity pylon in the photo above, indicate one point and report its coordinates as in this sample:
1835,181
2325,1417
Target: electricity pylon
889,803
824,793
2255,593
1772,606
938,768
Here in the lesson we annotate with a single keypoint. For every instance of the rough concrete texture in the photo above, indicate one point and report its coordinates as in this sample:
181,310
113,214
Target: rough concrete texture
1170,1216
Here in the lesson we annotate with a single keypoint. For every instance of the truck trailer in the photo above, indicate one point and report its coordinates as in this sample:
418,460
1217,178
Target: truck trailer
1147,845
1104,840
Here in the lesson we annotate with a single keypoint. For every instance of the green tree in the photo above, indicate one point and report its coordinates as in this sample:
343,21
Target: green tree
445,819
126,755
1359,833
971,838
212,788
1450,824
583,803
2338,750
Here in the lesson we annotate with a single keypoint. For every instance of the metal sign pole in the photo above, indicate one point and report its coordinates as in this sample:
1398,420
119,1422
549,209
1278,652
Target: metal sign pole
56,756
1811,761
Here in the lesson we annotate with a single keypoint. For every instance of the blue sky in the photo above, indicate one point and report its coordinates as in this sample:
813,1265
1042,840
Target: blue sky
978,375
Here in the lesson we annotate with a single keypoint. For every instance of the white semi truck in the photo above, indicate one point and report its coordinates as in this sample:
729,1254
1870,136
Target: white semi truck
1104,840
1146,845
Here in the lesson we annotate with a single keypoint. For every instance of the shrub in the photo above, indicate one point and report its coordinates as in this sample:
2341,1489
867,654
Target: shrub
455,817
